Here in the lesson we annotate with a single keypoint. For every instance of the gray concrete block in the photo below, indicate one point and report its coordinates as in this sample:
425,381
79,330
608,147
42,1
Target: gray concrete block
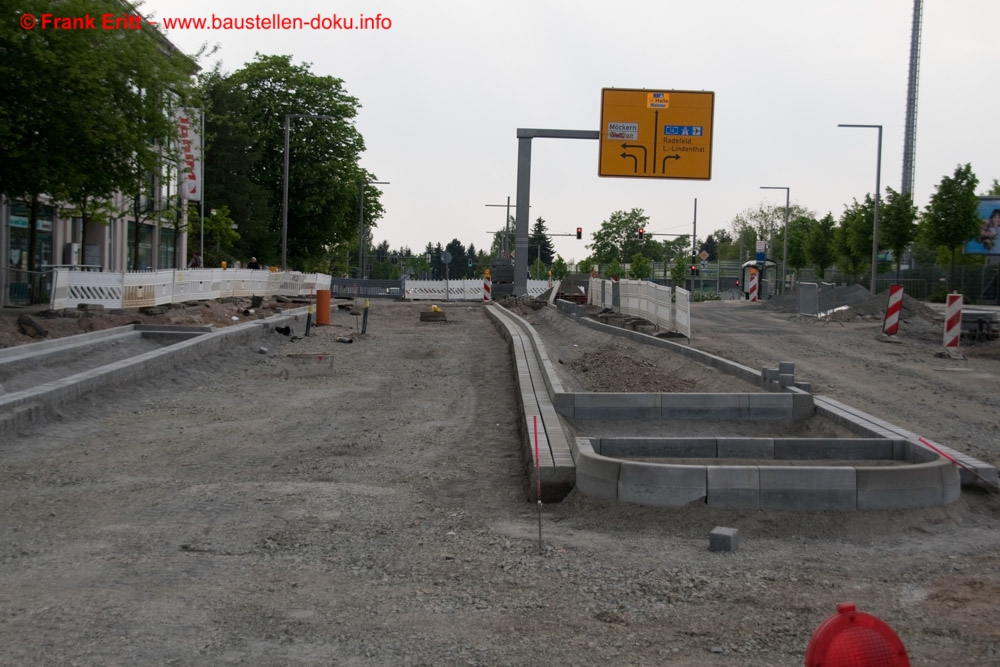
770,407
808,488
816,449
699,448
544,451
786,379
723,539
803,406
900,487
951,484
745,448
659,485
786,367
564,403
596,475
616,406
702,406
917,452
734,486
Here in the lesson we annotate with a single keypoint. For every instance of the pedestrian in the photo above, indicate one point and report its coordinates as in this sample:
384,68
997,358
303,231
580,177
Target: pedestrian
195,262
254,265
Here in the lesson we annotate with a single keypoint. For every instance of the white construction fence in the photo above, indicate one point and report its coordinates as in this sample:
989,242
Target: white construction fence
156,288
667,308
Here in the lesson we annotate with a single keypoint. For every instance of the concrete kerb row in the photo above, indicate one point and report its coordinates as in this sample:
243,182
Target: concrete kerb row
604,470
926,480
555,462
20,409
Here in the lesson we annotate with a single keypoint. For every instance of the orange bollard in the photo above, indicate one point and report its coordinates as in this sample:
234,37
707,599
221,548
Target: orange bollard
322,307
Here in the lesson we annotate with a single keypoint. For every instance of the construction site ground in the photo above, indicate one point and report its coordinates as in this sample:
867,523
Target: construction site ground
232,512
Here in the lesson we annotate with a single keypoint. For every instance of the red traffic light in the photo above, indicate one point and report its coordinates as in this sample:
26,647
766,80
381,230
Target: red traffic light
641,232
579,232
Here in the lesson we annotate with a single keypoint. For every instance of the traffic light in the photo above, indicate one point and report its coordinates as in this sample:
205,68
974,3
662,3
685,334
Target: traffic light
641,232
579,232
470,263
694,269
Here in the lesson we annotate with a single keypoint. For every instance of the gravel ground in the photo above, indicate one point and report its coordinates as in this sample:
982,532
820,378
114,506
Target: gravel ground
258,509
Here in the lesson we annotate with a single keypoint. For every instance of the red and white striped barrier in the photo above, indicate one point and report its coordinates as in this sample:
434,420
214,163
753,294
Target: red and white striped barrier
753,286
486,286
890,325
953,320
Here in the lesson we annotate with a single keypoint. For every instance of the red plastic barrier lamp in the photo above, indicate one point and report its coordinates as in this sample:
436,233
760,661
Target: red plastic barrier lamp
853,638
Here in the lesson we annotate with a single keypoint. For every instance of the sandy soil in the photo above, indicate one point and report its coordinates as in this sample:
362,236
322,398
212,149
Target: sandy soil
253,509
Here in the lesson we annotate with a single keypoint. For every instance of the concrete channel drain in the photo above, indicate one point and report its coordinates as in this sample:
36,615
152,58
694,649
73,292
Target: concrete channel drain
878,466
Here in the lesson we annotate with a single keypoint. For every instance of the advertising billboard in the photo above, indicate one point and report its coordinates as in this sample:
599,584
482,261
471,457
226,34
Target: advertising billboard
988,242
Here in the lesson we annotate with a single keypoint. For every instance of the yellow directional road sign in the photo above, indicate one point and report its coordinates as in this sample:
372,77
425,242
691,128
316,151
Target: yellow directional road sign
656,133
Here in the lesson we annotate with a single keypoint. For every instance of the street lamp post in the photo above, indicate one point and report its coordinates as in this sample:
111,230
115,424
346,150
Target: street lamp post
506,226
284,196
878,187
784,252
362,230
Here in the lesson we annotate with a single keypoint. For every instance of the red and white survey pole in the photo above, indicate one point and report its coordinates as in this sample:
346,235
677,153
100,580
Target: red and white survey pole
538,482
953,321
753,285
890,325
486,286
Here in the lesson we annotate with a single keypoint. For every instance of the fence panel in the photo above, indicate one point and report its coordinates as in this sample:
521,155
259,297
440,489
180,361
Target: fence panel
808,299
682,311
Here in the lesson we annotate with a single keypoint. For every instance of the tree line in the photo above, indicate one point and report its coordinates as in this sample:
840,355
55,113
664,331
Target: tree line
89,123
935,235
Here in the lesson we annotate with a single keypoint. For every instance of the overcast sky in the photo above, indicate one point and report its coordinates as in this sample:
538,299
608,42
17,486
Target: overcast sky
444,89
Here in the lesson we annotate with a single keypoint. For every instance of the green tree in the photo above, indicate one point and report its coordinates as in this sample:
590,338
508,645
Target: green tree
539,243
853,240
538,270
559,268
640,267
614,269
585,265
820,244
755,224
680,272
82,110
220,237
799,231
497,247
897,224
711,246
459,264
618,236
324,180
994,190
952,216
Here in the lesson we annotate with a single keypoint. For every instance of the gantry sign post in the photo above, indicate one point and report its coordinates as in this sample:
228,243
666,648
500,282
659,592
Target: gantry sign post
644,134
